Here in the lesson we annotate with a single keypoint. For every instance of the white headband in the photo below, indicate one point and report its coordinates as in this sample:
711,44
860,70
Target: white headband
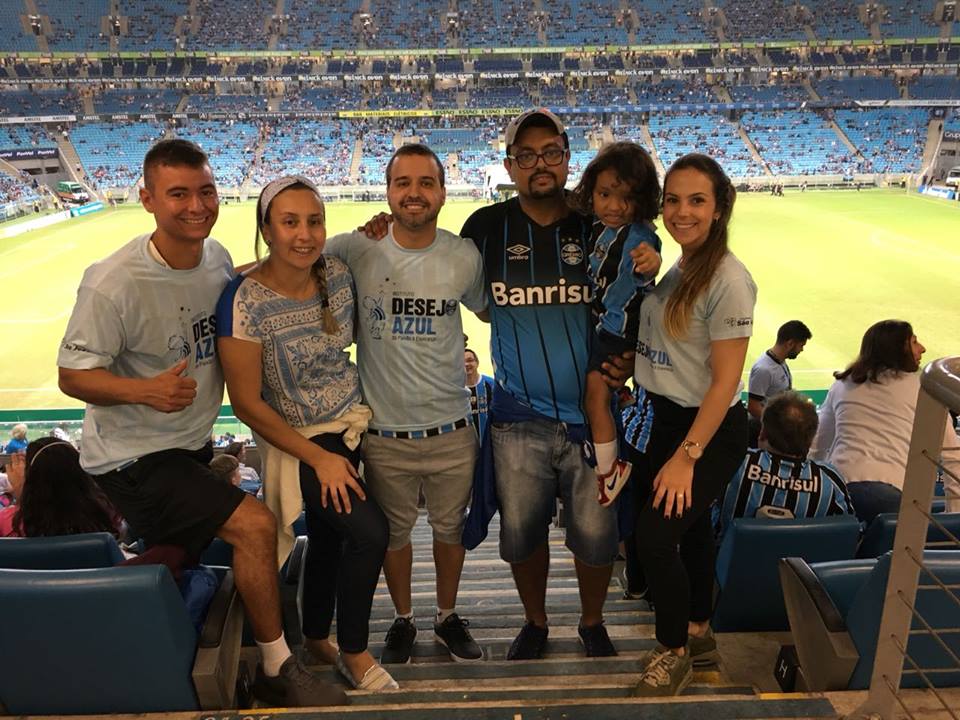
58,442
276,187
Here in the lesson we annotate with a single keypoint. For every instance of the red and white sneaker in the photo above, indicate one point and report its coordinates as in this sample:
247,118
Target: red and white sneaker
611,483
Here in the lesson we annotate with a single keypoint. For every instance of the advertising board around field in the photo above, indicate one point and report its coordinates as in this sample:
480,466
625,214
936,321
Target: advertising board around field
939,191
30,154
34,224
86,209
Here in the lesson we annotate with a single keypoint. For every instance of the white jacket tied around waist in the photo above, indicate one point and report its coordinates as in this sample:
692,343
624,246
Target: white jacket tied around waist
281,472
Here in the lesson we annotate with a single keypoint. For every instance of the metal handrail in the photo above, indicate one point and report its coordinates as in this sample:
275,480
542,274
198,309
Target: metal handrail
939,391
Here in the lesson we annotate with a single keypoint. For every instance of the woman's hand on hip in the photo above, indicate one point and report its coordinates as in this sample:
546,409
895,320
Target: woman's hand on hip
337,476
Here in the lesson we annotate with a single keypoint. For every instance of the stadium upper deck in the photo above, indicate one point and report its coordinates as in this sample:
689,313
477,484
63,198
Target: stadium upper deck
152,25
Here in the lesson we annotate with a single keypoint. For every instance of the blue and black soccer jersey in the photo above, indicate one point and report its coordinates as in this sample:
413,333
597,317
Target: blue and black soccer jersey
481,395
637,420
805,488
539,302
617,289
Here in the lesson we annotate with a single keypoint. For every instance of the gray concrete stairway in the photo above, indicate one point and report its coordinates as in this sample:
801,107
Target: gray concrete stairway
564,684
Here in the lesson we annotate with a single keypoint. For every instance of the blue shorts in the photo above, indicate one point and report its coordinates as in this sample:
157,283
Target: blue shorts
534,462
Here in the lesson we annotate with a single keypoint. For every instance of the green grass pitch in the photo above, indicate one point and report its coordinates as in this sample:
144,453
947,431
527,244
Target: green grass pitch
838,261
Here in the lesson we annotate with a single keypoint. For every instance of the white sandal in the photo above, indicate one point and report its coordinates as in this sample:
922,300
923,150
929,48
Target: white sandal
375,679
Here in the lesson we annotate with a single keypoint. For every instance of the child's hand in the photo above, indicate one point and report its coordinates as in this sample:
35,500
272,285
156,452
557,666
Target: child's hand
646,260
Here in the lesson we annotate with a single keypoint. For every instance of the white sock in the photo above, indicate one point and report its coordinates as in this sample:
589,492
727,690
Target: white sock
408,616
273,655
444,614
606,456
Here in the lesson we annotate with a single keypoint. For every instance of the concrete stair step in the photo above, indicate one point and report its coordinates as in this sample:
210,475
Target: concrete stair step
411,694
685,707
471,607
495,648
514,622
551,668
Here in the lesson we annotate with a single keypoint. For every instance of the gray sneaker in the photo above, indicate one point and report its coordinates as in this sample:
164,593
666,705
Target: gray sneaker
296,686
703,650
663,673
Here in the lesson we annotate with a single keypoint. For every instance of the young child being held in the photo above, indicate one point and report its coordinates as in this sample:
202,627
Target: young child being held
620,188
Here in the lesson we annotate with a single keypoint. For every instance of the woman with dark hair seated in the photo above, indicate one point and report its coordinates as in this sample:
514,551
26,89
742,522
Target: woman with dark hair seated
867,419
54,495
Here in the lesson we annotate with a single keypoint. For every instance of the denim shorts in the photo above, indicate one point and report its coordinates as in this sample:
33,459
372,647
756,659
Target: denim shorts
535,462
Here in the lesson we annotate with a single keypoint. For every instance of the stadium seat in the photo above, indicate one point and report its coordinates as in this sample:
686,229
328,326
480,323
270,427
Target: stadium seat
114,640
750,598
220,553
835,610
878,538
61,552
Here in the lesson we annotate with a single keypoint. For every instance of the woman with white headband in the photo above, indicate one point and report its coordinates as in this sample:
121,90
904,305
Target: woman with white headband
54,494
283,330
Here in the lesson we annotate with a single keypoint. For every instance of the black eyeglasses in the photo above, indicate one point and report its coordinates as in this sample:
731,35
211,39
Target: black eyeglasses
527,159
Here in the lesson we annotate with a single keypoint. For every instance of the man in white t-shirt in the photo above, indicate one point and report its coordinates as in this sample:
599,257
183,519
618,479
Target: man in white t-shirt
410,286
140,350
770,374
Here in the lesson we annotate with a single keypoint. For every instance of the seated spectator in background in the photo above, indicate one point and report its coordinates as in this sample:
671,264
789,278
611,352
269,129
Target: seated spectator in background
6,489
481,391
867,419
249,478
770,374
227,468
54,495
18,439
777,480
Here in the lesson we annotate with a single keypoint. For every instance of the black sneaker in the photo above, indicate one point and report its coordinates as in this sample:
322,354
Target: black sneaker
296,686
453,633
596,641
529,643
399,643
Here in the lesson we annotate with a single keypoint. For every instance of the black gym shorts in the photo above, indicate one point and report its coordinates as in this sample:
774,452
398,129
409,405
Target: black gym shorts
171,497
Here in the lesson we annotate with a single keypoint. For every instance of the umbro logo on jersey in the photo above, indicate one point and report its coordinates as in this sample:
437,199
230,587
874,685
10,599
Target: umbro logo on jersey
519,252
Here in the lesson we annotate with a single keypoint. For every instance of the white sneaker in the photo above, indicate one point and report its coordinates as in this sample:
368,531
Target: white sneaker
611,483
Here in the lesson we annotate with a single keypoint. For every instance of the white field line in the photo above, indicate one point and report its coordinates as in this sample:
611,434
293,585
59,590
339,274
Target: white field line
35,260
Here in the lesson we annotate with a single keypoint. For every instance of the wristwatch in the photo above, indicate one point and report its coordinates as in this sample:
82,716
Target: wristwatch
693,449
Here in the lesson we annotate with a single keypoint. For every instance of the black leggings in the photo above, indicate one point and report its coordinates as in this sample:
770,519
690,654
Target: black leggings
344,557
678,554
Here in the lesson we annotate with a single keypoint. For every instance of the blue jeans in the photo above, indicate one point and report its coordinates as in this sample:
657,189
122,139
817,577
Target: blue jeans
534,462
870,498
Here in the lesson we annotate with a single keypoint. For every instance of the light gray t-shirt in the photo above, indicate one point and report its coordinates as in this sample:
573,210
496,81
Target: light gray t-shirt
137,318
410,335
768,377
680,369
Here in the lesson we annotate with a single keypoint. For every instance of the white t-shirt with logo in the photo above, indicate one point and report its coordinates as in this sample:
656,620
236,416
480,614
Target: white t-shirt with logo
410,337
137,318
680,369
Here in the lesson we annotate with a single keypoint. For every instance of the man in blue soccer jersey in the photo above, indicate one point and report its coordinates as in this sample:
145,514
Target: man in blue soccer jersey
410,357
481,391
777,480
534,250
